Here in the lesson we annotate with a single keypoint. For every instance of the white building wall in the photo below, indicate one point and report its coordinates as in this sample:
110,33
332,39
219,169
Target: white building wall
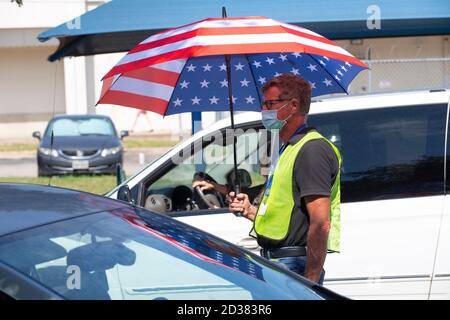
32,89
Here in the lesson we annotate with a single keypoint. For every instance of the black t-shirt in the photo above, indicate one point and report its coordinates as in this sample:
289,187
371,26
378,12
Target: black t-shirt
315,171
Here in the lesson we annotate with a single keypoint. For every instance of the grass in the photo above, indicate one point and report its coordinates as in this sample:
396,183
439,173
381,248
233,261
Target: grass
146,143
95,184
18,147
128,144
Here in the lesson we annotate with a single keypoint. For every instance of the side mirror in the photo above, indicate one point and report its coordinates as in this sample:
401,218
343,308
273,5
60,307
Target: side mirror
37,135
124,133
124,194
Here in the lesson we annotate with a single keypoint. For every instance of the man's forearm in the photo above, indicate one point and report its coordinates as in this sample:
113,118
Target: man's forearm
316,251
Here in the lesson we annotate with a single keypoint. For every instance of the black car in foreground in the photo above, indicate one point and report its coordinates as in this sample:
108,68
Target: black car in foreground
79,144
63,244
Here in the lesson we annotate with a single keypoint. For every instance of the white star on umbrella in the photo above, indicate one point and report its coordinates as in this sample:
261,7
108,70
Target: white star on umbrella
177,103
336,77
223,83
257,64
322,63
277,74
233,98
270,61
184,84
223,67
239,66
295,71
213,100
244,83
262,80
207,67
326,58
283,57
339,72
204,83
250,99
196,100
296,54
344,68
191,67
348,64
313,85
327,82
312,67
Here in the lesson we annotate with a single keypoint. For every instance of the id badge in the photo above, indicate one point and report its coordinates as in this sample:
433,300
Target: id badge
263,209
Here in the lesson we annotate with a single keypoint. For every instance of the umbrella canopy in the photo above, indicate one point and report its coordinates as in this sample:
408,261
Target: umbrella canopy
184,69
194,67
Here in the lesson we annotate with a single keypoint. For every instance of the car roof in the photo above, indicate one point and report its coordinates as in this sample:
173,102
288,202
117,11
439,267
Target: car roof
25,206
80,116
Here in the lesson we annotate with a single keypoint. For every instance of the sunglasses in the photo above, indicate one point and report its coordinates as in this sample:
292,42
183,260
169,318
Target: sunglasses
269,103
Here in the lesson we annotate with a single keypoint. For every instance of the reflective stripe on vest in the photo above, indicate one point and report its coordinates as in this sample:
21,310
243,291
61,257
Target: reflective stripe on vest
274,213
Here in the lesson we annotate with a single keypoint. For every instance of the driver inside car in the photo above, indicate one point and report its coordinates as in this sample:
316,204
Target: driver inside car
245,183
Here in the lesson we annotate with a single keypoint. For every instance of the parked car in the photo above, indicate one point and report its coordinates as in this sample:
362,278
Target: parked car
395,238
64,244
79,144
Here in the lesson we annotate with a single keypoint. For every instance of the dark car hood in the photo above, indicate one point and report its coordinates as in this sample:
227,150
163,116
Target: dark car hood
24,207
88,142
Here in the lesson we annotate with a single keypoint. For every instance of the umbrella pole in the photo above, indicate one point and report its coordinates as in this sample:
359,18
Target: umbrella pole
237,187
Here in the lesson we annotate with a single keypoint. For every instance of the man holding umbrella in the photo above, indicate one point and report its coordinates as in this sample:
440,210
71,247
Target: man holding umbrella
298,219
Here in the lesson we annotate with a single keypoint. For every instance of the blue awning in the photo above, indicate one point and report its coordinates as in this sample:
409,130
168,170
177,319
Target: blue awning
120,24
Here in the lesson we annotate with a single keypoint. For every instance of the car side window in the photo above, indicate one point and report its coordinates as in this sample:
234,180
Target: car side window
388,153
213,158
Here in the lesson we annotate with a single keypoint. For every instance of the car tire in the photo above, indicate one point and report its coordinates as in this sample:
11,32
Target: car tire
41,173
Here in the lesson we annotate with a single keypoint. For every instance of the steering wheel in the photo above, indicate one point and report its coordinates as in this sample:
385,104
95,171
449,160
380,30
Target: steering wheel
208,201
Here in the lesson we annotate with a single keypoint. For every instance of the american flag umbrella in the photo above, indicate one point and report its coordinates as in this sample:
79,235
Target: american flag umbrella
221,64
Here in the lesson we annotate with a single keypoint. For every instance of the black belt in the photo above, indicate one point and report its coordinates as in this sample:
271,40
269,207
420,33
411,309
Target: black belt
283,252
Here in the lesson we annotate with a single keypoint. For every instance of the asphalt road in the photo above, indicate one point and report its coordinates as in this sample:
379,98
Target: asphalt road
26,166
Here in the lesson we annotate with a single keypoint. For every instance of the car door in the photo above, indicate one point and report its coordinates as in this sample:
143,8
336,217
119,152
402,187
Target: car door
213,156
392,184
440,282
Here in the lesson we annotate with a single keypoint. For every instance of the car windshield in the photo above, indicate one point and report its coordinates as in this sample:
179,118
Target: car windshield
74,127
116,255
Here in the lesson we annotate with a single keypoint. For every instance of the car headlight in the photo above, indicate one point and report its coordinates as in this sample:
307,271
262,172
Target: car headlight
110,151
48,152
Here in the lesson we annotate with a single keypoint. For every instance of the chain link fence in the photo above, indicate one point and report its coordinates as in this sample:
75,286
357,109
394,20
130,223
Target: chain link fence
402,74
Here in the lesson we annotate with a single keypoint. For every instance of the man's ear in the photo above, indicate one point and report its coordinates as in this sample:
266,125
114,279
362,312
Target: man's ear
296,105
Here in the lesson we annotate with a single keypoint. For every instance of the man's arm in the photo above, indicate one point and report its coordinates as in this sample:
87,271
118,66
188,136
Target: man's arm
319,226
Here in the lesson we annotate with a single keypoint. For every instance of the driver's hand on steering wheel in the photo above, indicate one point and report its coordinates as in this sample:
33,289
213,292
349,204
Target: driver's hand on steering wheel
203,184
209,185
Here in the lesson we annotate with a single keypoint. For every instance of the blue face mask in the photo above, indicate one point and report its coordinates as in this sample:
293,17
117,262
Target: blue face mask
270,120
